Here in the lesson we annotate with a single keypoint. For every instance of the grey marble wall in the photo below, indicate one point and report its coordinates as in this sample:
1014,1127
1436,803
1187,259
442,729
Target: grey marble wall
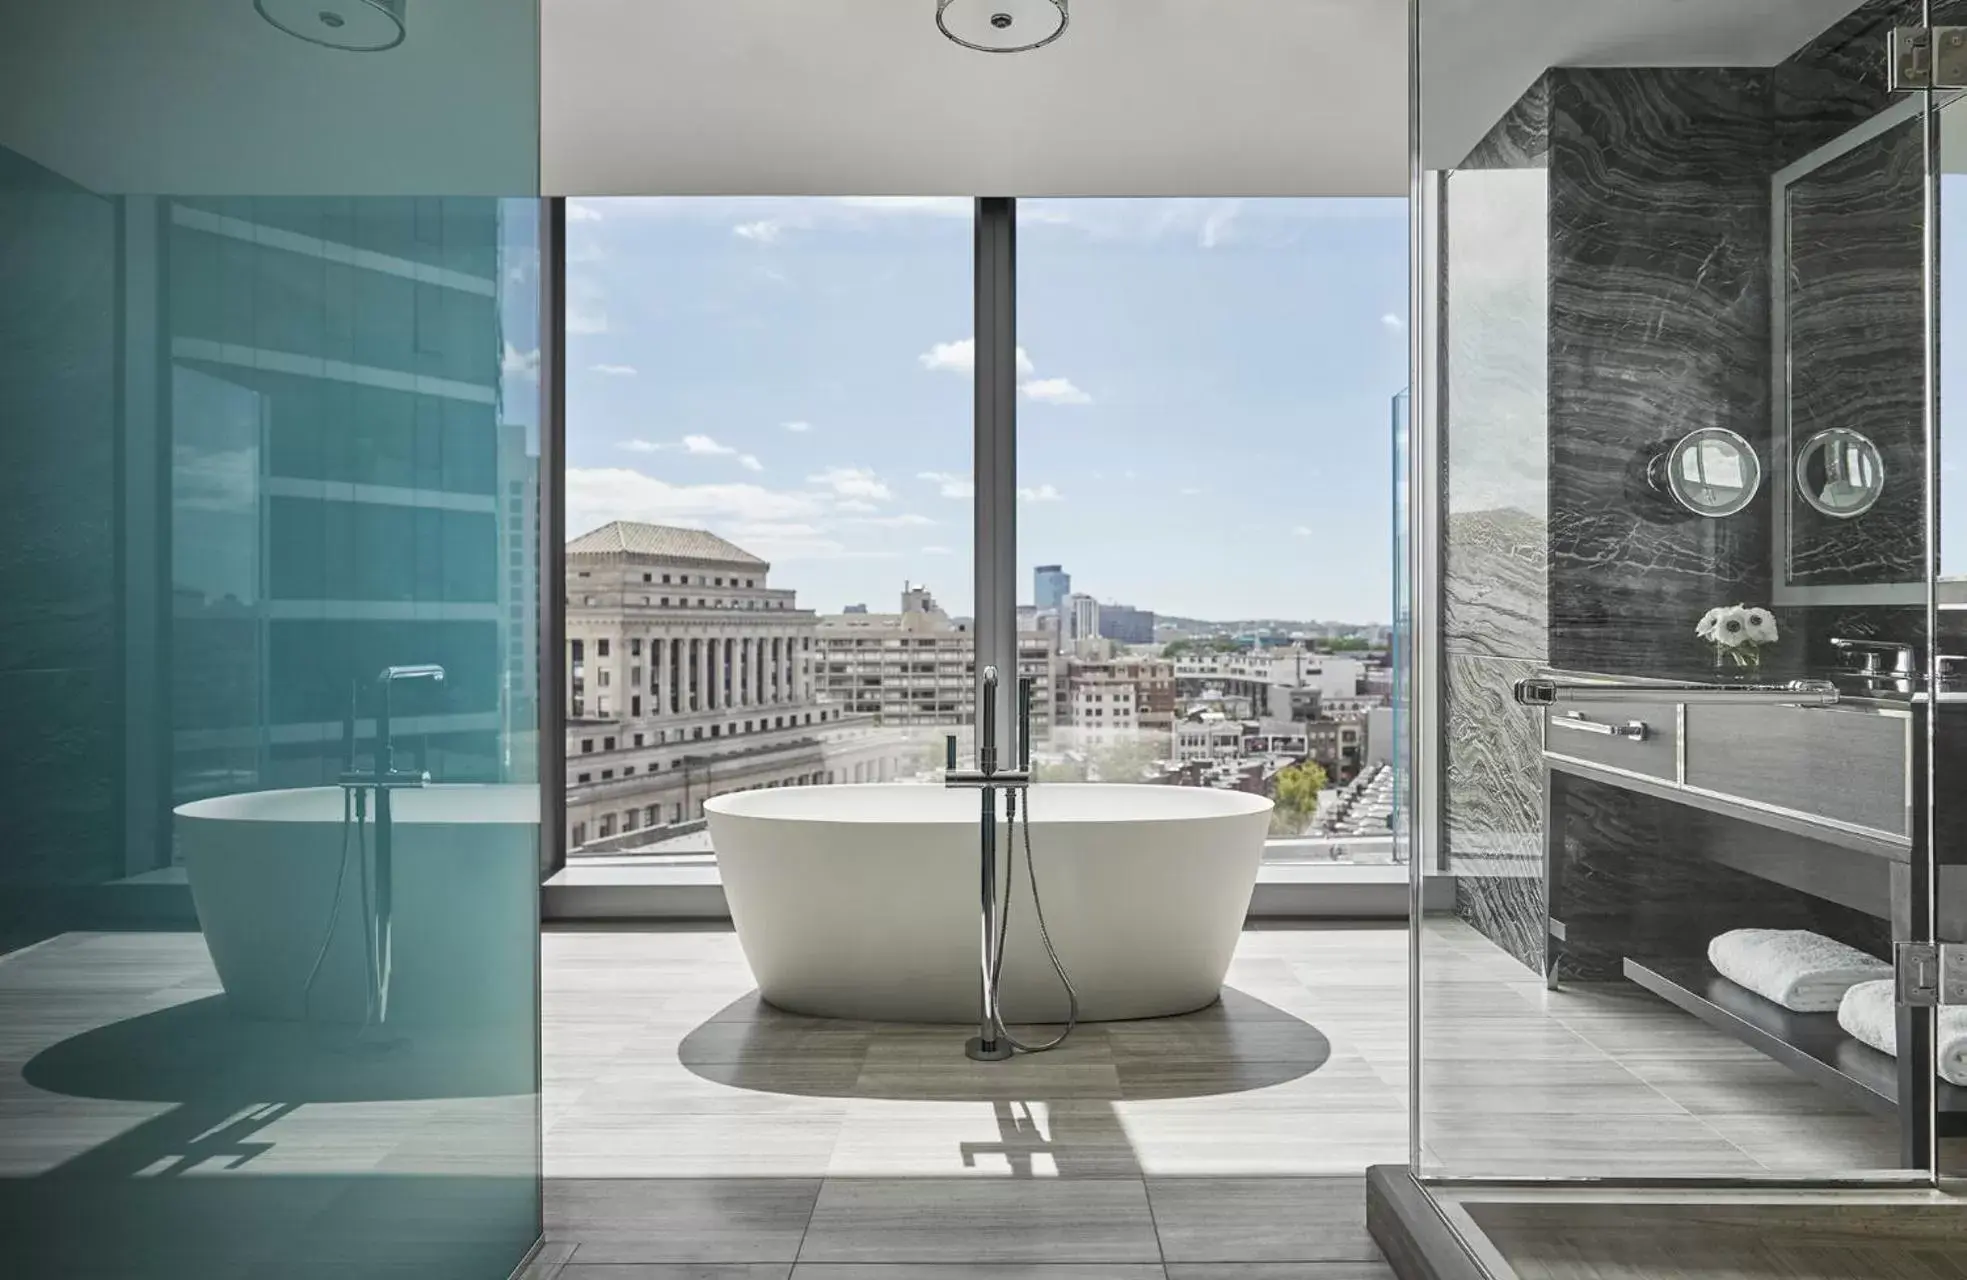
60,666
1494,341
1659,305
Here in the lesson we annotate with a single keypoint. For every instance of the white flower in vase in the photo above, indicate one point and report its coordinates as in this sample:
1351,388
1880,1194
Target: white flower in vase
1737,633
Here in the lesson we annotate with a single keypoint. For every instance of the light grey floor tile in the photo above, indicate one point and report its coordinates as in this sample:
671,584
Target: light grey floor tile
676,1271
699,1145
681,1220
980,1271
1262,1219
547,1261
1070,1139
1279,1271
981,1220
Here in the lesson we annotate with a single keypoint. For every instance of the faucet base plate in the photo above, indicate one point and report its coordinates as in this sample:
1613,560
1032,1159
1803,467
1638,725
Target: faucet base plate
977,1050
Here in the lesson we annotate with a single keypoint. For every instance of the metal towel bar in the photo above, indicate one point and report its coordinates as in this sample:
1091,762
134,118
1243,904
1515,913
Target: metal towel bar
1543,691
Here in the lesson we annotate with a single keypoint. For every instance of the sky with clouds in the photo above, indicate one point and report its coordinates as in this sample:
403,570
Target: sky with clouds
1203,410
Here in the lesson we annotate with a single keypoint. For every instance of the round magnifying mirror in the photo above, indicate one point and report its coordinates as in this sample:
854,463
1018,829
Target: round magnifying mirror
1712,472
1840,473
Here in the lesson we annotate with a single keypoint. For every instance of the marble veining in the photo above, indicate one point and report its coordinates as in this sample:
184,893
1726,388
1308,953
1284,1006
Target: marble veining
1659,314
1492,804
1855,314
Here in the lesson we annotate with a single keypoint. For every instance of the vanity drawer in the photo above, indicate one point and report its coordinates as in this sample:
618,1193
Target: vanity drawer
1847,765
1580,733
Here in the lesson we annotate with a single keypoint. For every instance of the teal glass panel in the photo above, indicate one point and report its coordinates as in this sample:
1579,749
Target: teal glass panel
268,430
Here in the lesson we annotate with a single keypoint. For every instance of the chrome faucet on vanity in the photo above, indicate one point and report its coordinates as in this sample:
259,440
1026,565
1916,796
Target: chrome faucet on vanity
992,1043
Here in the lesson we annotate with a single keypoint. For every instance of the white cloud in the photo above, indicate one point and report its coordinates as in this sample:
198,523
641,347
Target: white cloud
1190,491
520,364
936,551
853,482
1043,493
1302,531
856,505
1055,391
951,485
764,231
581,321
596,495
582,211
1216,223
1392,321
799,428
697,445
941,206
907,521
960,356
614,370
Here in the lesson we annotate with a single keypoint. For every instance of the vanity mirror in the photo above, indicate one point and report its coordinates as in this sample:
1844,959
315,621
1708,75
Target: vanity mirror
1850,334
1840,473
1712,472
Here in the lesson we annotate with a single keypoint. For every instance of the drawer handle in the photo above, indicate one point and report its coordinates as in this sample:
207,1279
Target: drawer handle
1636,730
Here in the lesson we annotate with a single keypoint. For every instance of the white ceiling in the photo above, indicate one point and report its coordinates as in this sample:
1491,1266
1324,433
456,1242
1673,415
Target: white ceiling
1478,56
865,97
205,97
855,97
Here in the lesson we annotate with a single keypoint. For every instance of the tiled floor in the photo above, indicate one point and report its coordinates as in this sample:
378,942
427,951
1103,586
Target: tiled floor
692,1131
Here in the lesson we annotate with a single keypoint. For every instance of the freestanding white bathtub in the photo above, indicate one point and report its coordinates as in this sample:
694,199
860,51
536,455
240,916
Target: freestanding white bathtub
262,867
865,901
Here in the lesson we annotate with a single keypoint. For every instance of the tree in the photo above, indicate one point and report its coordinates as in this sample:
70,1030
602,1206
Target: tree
1295,789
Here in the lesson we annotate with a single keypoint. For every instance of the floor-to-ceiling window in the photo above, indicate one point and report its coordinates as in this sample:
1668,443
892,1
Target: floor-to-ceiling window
1204,498
769,529
769,427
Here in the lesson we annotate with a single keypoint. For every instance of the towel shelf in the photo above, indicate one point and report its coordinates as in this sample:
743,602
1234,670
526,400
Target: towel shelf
1810,1044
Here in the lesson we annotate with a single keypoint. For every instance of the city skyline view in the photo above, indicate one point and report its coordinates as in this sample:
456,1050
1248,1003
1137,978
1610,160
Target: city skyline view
1204,393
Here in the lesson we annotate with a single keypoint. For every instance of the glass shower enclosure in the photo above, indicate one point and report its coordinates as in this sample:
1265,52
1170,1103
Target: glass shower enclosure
1683,608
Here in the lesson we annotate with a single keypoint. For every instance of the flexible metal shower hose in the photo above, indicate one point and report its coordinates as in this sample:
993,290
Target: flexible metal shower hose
1044,935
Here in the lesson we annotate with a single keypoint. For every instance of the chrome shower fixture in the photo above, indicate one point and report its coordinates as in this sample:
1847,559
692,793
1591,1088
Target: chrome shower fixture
1002,26
359,26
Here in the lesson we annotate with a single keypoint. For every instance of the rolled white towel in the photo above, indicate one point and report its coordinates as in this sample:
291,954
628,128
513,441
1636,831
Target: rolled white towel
1869,1011
1799,970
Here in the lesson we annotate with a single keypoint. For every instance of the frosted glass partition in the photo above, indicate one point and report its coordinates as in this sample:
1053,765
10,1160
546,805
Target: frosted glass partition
261,441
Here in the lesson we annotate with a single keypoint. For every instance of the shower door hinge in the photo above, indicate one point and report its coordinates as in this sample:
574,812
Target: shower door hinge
1928,58
1930,973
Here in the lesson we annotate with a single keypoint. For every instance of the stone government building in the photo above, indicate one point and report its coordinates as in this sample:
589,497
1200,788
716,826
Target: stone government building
689,676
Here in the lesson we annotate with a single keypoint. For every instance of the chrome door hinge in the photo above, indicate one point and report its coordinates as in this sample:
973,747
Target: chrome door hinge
1931,974
1928,58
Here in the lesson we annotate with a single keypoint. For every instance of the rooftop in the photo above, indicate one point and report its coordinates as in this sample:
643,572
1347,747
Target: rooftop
667,541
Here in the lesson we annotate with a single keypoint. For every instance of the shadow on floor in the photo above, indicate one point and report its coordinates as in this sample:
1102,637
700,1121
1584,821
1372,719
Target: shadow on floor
198,1052
1235,1045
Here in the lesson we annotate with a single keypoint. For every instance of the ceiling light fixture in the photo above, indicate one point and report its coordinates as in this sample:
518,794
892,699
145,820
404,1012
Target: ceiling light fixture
1002,26
359,26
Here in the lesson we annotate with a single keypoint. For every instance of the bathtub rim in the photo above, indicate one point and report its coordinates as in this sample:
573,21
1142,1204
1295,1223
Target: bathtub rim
466,805
1220,804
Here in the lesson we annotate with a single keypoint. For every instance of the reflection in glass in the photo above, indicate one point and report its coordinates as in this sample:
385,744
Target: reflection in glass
1839,473
1712,472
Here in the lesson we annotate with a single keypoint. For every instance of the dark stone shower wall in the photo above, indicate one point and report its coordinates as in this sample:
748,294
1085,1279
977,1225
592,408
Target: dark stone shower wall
1659,318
